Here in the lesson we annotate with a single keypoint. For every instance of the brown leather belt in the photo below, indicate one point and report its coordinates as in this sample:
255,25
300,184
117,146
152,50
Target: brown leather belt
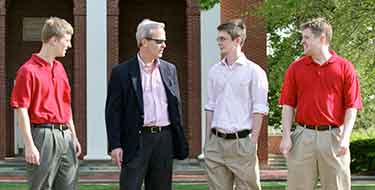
61,127
239,134
154,129
318,127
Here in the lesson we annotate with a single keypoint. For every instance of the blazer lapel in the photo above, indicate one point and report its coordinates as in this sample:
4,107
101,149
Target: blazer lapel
135,76
166,77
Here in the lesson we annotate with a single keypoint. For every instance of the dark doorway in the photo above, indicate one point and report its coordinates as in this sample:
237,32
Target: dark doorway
171,12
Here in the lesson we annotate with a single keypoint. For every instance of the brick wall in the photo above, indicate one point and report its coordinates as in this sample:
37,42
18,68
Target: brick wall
3,102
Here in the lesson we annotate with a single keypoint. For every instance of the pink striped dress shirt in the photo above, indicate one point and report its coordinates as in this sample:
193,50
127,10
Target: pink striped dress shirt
154,96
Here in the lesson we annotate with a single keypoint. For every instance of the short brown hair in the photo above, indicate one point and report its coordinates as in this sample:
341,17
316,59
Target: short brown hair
235,28
318,26
55,26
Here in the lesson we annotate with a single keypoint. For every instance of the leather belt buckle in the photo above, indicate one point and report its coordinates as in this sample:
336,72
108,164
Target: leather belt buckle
155,130
52,126
322,128
318,127
57,126
235,135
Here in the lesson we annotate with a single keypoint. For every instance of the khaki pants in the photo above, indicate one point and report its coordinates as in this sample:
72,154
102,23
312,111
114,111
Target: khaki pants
58,162
232,163
313,155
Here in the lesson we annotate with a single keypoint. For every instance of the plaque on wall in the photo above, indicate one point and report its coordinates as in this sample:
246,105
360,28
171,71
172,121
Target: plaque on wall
32,27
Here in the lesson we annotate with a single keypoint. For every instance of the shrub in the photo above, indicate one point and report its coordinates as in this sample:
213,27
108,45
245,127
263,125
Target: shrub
362,151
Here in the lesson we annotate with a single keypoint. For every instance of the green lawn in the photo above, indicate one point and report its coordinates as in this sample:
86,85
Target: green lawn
111,186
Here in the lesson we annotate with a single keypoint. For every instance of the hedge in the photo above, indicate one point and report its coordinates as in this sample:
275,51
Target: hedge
363,156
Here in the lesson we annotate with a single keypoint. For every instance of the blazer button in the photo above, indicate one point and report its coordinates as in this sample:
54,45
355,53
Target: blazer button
140,132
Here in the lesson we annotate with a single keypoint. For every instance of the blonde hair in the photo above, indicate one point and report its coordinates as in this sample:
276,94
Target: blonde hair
55,26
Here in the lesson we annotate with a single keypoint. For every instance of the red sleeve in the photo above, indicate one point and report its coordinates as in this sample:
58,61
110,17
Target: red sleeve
21,94
288,94
352,94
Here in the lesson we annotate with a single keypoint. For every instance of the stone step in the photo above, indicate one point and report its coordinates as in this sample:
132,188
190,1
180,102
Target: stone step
16,167
103,171
276,162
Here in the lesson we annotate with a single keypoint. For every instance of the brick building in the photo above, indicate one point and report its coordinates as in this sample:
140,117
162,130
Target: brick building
104,36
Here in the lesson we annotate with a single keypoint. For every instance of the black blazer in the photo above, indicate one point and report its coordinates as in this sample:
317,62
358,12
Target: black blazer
124,113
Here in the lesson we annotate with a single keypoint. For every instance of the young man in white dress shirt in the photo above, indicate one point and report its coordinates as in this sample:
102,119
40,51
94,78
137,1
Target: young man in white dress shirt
236,104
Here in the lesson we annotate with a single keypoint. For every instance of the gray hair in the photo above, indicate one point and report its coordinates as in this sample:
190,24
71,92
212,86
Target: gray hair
145,27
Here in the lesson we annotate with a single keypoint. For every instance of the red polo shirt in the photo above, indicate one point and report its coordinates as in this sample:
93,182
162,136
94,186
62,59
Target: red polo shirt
321,93
43,90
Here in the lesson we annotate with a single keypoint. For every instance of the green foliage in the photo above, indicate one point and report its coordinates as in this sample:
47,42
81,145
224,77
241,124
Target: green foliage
362,151
208,4
362,134
353,38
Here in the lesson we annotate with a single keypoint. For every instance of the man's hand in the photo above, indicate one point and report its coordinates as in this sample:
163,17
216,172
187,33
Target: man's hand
344,147
77,146
287,116
116,156
32,154
285,145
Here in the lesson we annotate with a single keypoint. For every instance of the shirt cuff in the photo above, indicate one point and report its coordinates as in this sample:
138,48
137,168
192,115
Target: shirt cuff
209,107
260,108
16,105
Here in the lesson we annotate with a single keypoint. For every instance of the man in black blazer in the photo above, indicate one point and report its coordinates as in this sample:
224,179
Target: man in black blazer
143,114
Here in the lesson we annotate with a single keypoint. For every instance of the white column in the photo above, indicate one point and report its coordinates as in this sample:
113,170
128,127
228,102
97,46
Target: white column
96,79
210,53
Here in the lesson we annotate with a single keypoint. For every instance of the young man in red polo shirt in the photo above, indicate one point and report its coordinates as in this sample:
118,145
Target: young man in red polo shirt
321,91
41,99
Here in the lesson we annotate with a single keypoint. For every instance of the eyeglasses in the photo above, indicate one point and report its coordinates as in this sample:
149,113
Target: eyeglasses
157,41
221,39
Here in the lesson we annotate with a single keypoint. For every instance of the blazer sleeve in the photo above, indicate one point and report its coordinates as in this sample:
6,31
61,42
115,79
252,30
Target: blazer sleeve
175,78
180,144
113,109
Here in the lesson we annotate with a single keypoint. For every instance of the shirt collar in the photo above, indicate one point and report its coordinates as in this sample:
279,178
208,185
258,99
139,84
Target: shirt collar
241,60
143,65
332,59
40,61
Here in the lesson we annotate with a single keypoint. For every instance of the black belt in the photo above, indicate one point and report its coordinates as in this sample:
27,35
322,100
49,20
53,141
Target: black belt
61,127
154,129
239,134
318,127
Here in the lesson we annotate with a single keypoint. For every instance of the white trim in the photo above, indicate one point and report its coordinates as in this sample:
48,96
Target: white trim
96,79
210,54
